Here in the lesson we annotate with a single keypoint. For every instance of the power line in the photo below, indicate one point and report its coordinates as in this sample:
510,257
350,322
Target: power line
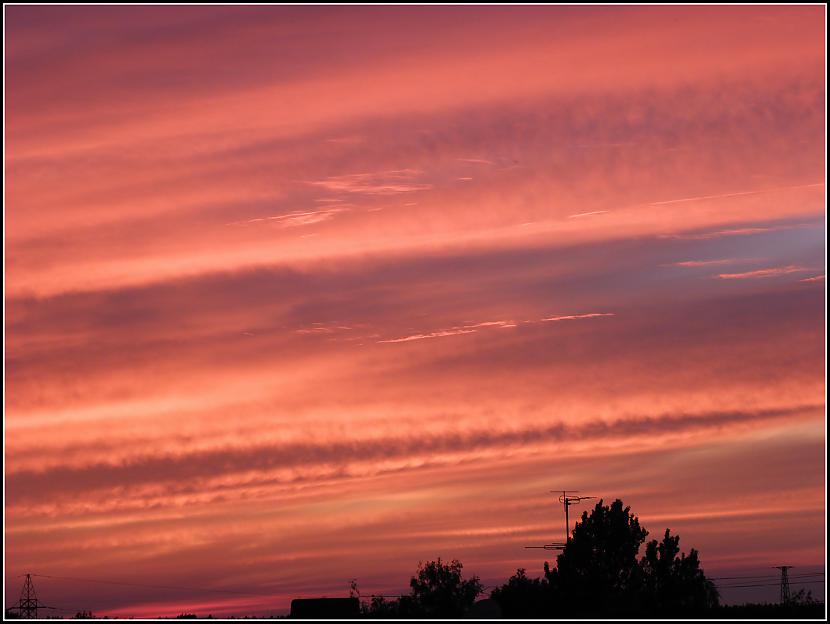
817,578
777,584
765,576
806,579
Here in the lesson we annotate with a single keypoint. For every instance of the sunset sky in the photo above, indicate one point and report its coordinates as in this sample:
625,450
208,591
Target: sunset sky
300,295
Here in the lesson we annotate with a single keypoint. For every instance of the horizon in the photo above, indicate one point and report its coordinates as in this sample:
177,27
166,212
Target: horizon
296,295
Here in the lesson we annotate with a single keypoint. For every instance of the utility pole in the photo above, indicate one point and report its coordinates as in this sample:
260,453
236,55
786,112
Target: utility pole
785,583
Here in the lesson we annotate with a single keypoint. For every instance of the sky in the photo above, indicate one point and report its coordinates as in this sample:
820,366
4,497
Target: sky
301,295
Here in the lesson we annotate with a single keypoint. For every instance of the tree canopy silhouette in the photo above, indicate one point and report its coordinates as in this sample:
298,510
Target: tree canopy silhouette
523,597
84,615
598,565
673,581
598,573
436,591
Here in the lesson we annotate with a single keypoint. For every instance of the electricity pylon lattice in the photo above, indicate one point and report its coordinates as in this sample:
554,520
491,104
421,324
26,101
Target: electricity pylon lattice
785,583
28,605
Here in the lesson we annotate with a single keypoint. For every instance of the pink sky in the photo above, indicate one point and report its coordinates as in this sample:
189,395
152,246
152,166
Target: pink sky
298,295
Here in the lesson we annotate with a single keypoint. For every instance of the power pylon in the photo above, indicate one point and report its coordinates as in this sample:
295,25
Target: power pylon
28,604
785,583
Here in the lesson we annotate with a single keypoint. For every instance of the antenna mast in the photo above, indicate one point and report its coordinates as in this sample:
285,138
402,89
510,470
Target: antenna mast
567,498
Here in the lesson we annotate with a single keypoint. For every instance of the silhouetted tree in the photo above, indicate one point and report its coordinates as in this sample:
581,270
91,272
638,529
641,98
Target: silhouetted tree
381,607
803,597
83,615
672,581
599,574
524,597
598,571
436,591
439,590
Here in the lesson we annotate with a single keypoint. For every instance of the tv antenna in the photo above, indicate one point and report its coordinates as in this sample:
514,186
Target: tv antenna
567,498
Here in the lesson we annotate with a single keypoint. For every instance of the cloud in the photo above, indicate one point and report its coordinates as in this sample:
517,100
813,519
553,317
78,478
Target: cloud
703,263
574,317
322,328
737,194
817,278
747,231
254,172
296,219
469,329
347,140
438,334
764,273
453,331
66,481
493,324
390,182
476,161
587,214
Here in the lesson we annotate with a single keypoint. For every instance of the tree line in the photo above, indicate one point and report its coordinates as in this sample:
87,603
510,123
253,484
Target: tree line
600,573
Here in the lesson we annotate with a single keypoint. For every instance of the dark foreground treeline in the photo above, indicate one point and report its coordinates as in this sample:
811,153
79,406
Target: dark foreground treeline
599,574
799,609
